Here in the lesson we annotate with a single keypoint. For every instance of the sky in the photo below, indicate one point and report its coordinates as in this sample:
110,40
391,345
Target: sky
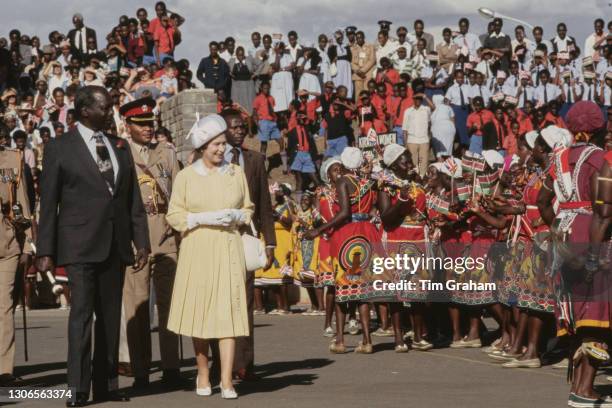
208,20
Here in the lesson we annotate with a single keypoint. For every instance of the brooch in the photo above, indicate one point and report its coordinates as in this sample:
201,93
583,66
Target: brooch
120,144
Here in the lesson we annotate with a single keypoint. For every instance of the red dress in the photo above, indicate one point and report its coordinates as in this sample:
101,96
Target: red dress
583,300
355,244
533,284
409,238
328,207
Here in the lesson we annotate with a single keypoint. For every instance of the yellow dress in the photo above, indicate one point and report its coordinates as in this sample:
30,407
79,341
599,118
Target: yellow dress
209,294
281,271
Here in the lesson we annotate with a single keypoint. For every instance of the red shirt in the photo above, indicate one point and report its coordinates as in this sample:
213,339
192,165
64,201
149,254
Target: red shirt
556,120
135,47
380,105
478,119
393,77
398,106
262,105
164,37
311,109
525,124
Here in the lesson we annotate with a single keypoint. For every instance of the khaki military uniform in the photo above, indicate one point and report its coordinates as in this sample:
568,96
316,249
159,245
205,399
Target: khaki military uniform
13,242
156,167
364,60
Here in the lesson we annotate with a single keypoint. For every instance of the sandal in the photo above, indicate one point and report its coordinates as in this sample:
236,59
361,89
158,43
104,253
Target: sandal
364,348
337,348
594,350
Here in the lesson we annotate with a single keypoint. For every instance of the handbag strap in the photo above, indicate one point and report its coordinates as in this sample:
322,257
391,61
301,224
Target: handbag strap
253,230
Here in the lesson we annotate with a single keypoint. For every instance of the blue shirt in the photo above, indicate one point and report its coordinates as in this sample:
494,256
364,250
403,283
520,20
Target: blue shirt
228,155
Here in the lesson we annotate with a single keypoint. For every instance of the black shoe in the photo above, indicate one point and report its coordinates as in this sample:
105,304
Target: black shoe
141,383
9,380
172,378
80,400
111,396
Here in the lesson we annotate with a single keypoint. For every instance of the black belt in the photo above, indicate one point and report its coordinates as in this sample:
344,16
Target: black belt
343,58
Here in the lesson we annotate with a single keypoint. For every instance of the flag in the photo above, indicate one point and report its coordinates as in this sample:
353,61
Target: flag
439,205
478,164
487,182
451,165
467,163
464,192
372,136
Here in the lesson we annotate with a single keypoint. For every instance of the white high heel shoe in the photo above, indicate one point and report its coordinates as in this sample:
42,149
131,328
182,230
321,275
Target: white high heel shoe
204,392
229,393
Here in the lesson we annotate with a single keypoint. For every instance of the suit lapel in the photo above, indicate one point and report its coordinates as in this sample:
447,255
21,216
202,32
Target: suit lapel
248,164
119,154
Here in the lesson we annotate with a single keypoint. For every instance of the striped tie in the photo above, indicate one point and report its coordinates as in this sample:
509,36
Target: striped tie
104,162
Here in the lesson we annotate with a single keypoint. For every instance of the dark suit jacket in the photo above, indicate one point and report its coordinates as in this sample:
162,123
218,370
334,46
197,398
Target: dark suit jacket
259,190
79,219
89,33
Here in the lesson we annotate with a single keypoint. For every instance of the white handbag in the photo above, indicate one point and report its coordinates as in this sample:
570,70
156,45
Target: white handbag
254,251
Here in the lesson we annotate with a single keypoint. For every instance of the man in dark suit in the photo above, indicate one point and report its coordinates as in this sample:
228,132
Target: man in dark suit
91,213
79,36
257,179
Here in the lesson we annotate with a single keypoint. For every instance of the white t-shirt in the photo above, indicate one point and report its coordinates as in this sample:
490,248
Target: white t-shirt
416,124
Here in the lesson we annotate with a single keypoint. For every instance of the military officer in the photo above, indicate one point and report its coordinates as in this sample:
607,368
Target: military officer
15,248
156,168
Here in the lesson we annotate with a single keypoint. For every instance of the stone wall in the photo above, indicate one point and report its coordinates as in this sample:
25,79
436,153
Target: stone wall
178,115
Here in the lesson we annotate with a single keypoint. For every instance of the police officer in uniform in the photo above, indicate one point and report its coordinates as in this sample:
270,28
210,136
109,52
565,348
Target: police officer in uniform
156,168
15,248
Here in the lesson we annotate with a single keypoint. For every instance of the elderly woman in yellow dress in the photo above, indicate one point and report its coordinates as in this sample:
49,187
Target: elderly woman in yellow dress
210,200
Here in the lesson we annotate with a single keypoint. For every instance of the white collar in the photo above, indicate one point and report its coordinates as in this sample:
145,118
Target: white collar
85,132
495,35
202,170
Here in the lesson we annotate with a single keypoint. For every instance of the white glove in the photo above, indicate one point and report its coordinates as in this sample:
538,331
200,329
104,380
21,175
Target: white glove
238,216
214,218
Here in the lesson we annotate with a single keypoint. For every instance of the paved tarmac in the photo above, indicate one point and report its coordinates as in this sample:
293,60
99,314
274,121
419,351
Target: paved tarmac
298,371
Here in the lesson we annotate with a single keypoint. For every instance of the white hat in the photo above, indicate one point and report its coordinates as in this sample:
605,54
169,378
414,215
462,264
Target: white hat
206,129
493,158
326,165
589,75
351,158
501,74
530,138
392,153
556,137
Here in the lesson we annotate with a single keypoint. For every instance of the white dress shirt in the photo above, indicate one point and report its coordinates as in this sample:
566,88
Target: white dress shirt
80,39
416,124
588,92
481,90
294,51
387,50
552,93
88,137
567,89
454,96
529,91
469,41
